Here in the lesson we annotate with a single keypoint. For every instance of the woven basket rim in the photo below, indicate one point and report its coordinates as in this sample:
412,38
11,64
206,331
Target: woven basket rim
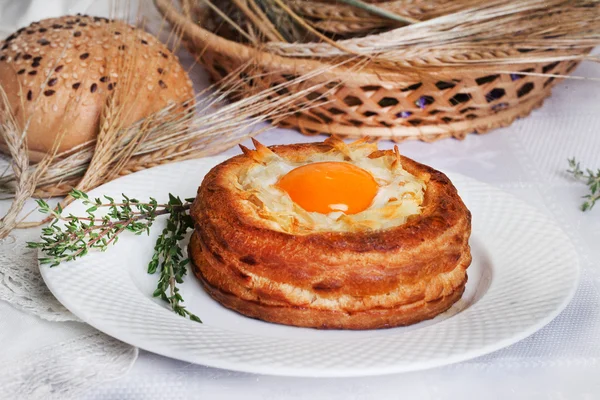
367,75
228,47
421,132
364,102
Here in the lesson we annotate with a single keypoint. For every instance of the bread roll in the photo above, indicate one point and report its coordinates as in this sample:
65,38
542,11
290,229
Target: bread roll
60,71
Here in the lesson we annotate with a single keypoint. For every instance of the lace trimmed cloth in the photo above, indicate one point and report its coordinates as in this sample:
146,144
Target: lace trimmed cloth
64,368
21,283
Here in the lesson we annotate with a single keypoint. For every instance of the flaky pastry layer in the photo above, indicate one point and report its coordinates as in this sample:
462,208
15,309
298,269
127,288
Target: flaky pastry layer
343,280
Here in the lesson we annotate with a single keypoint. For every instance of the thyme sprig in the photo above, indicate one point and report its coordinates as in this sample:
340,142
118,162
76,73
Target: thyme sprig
591,179
168,256
77,235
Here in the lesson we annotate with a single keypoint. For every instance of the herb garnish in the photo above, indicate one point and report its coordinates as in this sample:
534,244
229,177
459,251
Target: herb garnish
78,235
591,179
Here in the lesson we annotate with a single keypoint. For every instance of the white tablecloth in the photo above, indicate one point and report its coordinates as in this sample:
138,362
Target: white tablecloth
562,361
527,159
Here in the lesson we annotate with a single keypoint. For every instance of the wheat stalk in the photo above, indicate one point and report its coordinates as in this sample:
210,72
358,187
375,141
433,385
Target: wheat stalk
174,134
416,10
16,144
468,36
259,20
25,177
443,33
227,19
380,11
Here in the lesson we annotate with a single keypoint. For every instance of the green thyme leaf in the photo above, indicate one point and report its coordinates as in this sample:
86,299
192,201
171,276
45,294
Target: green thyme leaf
590,178
78,235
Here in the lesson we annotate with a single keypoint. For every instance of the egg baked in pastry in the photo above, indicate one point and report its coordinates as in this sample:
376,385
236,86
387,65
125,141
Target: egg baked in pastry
330,235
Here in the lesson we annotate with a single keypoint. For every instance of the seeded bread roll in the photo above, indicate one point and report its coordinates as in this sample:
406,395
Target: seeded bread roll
82,59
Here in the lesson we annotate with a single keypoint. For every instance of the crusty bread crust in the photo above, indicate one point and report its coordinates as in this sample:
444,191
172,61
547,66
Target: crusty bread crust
342,280
58,73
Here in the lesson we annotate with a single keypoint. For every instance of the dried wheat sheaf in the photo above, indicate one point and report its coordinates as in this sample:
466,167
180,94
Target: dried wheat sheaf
434,68
203,126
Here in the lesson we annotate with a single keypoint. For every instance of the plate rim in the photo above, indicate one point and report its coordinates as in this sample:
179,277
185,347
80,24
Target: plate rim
325,372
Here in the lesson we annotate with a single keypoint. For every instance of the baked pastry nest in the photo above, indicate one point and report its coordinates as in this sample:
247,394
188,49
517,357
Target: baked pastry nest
333,280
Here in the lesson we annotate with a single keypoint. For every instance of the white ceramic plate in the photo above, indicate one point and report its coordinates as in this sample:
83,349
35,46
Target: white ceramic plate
524,272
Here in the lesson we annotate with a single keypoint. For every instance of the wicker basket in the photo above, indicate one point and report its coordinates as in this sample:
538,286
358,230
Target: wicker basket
450,103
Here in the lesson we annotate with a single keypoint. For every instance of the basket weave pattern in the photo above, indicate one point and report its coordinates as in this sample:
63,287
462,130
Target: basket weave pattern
451,103
450,107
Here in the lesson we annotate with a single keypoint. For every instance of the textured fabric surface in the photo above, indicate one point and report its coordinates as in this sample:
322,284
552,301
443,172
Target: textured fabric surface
561,361
64,369
21,283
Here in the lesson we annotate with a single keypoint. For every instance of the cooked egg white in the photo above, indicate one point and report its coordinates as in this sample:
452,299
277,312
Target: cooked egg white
399,194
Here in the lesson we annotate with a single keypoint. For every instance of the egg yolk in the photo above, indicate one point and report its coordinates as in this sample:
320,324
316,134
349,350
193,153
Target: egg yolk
325,187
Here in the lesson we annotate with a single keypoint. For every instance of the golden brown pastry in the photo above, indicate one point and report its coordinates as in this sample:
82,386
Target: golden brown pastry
61,70
259,248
